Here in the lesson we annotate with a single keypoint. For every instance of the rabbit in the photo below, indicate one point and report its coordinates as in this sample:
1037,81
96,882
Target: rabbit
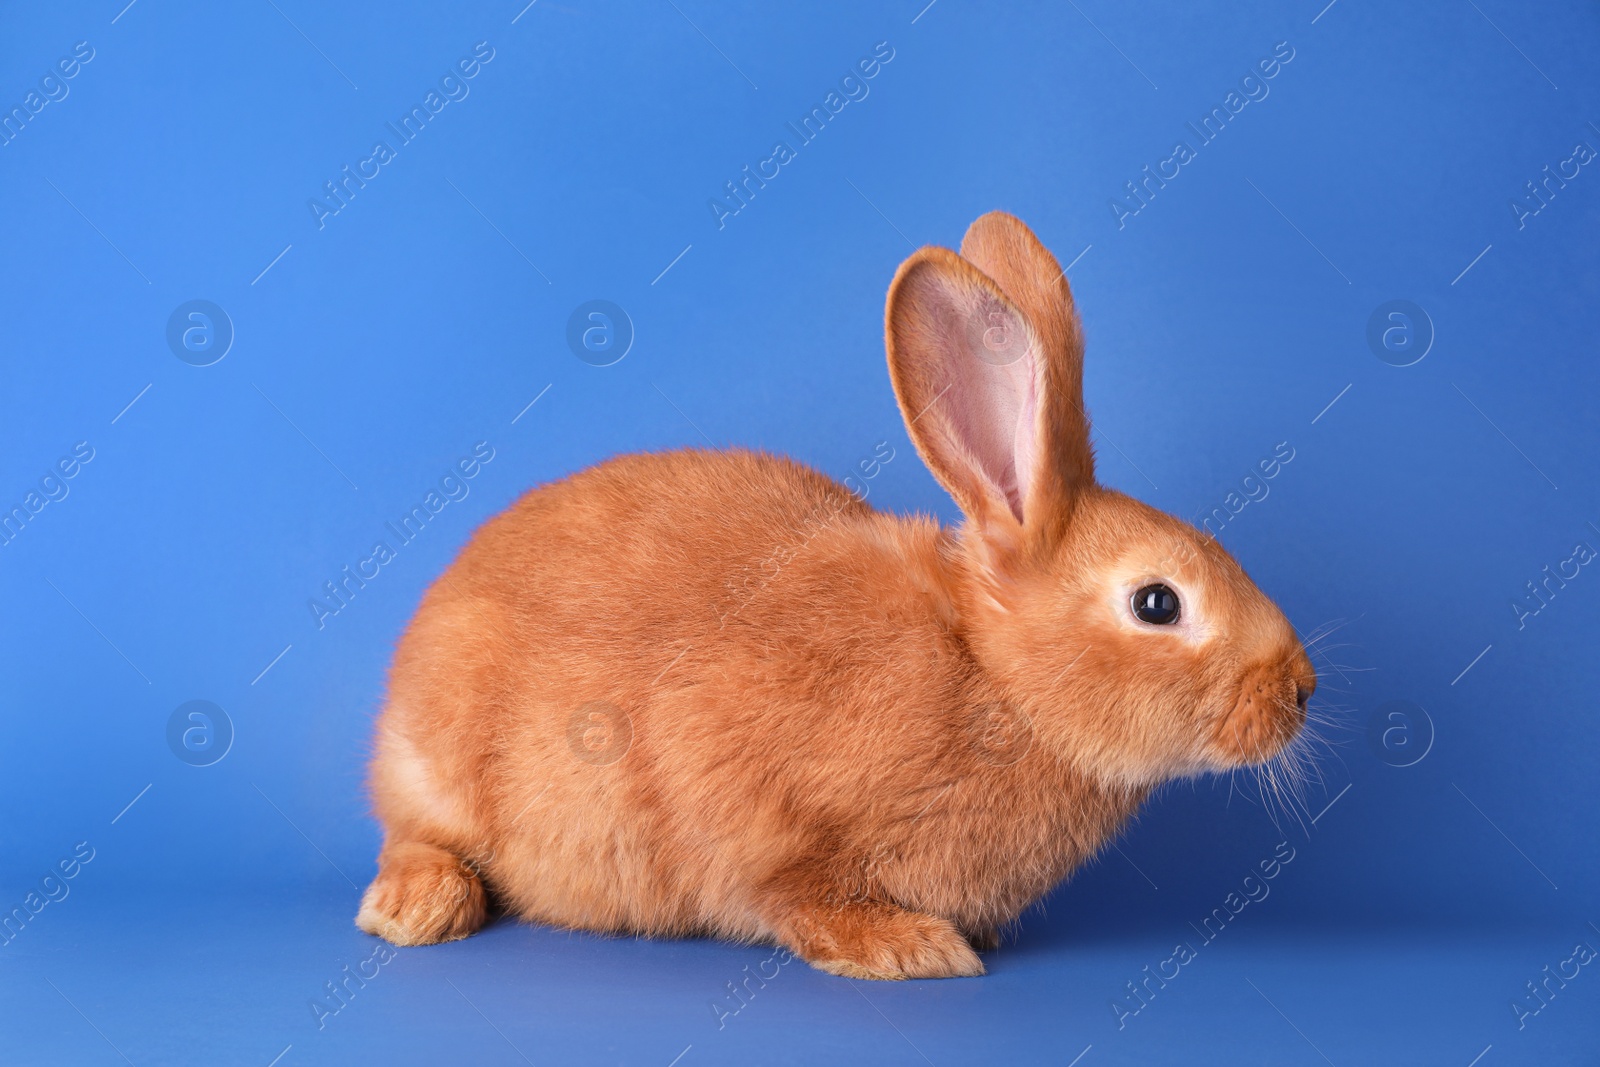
714,693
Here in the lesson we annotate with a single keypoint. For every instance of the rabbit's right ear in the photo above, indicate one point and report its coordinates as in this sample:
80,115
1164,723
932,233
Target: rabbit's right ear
982,394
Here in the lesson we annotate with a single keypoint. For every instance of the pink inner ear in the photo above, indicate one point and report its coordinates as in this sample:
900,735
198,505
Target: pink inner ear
1025,441
992,360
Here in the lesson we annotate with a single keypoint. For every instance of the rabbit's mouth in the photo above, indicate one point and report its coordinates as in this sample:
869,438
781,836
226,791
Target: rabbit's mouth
1268,714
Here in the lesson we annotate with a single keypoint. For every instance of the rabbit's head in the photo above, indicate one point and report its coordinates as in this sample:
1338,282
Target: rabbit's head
1135,644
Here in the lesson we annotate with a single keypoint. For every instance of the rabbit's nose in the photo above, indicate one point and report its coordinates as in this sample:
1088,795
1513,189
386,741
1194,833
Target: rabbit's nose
1301,696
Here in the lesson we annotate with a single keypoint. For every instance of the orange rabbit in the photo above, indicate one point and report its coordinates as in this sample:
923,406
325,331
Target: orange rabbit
714,693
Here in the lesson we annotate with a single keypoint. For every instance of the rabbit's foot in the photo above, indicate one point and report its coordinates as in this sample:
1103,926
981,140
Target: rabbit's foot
422,895
871,939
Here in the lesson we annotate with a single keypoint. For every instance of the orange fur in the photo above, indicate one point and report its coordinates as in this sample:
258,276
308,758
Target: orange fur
714,693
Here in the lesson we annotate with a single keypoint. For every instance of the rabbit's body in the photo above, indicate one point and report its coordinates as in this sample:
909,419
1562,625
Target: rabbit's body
703,662
715,693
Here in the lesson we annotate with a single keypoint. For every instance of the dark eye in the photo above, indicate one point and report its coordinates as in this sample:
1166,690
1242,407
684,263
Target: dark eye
1156,604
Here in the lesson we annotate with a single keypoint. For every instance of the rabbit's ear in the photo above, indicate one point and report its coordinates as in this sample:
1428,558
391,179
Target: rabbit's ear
978,380
1003,247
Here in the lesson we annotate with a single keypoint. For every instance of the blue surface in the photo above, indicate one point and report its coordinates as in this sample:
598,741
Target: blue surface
1443,861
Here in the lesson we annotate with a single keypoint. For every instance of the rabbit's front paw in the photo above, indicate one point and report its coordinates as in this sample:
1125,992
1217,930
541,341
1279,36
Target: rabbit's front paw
422,895
868,939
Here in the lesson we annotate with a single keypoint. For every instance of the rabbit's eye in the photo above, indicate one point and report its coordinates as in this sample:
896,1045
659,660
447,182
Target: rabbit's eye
1155,604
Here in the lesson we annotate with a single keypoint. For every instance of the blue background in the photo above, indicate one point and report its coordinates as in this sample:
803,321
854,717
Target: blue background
426,315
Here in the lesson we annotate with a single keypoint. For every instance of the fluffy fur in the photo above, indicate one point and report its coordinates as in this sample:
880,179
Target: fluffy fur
714,693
